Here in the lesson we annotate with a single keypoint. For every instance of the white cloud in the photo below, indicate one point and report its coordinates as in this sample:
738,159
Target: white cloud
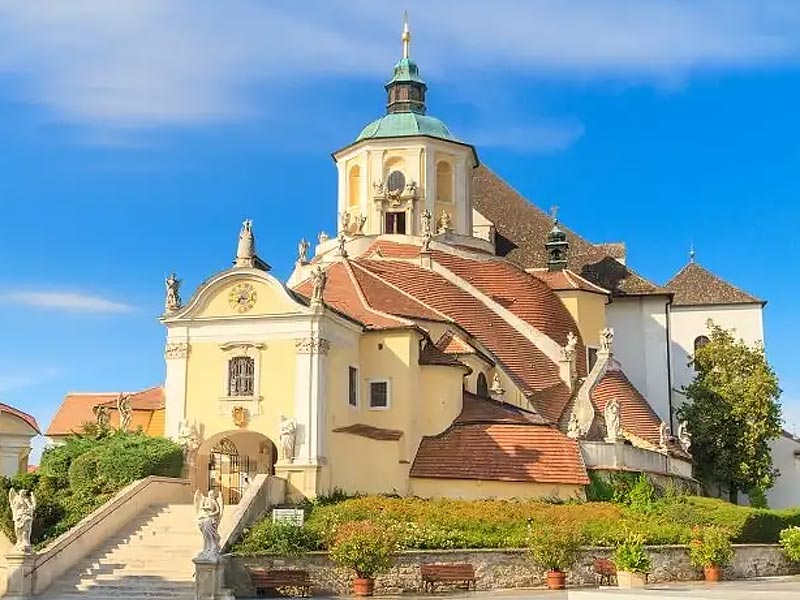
18,381
539,137
65,301
148,63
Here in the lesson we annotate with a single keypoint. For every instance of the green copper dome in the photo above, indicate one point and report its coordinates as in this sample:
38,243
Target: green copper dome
403,124
406,70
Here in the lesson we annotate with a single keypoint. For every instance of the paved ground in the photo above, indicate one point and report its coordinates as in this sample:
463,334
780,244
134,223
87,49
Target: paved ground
777,588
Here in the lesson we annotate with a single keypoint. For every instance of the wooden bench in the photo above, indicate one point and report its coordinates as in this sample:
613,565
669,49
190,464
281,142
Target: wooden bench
605,570
295,581
463,574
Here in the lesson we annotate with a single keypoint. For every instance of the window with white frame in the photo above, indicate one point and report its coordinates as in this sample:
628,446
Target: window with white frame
352,386
241,376
379,394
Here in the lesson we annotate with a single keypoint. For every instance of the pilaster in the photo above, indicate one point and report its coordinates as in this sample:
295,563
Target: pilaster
176,355
310,386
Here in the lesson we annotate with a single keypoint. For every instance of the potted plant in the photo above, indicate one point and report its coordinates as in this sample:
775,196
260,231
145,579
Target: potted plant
556,550
367,549
710,550
790,542
632,563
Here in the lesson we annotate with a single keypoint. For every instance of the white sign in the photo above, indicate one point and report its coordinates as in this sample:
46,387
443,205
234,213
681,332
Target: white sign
290,516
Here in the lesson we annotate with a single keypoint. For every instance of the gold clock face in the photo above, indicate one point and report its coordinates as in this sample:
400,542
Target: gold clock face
242,297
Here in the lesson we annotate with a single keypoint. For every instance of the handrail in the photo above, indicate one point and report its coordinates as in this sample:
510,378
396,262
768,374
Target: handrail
96,517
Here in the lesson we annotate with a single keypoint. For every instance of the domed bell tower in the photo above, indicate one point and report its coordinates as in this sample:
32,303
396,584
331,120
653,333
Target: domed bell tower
404,163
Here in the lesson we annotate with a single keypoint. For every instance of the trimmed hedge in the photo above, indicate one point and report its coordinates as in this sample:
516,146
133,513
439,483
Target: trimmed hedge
449,524
78,476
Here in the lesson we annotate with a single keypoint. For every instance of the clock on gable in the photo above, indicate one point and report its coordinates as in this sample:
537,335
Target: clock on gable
242,297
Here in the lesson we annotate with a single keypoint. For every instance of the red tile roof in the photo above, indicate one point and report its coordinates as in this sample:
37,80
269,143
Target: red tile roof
343,294
567,280
503,448
28,419
637,416
430,354
452,343
78,408
373,433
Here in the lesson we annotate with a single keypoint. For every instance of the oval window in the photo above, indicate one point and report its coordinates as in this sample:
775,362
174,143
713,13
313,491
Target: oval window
396,181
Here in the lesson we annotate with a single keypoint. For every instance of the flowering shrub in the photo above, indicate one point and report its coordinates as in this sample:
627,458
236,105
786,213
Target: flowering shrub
790,540
631,556
555,548
710,547
364,547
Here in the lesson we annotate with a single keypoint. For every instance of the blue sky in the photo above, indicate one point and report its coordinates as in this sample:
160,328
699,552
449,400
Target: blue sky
137,134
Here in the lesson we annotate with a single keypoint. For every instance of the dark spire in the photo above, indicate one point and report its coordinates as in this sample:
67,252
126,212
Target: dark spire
556,245
406,89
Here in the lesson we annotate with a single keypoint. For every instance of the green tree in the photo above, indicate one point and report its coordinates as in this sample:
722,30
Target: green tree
733,413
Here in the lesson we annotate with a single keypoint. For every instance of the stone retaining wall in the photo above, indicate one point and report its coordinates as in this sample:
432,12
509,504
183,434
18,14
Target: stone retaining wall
498,569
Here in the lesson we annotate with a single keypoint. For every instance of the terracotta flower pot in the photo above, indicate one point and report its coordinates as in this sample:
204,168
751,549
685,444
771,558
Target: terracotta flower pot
363,586
712,573
556,580
629,581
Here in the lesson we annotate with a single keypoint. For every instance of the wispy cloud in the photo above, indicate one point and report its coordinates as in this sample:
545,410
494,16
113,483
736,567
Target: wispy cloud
9,383
541,137
140,64
65,301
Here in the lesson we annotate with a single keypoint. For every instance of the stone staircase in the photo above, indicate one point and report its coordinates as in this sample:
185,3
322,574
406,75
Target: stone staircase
151,558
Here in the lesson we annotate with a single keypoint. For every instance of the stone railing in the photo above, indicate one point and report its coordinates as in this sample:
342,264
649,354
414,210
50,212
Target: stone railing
504,569
624,457
264,492
44,567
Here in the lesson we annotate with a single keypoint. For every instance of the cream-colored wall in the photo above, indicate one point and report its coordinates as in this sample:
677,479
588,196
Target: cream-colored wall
207,381
269,300
589,312
470,489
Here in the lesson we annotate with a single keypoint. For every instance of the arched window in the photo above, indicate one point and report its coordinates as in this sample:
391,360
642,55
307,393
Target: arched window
241,376
444,182
699,342
396,181
482,386
354,186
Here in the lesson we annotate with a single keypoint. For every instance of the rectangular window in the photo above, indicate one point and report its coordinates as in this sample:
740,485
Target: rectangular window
379,394
352,387
241,376
395,222
591,357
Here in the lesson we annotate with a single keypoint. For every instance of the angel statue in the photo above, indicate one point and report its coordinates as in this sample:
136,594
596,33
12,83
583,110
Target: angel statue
302,251
173,299
288,432
684,436
209,513
613,424
23,505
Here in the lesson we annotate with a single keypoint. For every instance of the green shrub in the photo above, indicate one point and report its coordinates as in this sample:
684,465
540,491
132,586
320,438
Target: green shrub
365,547
283,539
631,556
710,547
599,489
790,541
556,548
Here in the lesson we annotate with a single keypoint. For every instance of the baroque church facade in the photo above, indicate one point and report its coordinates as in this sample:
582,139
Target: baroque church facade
451,340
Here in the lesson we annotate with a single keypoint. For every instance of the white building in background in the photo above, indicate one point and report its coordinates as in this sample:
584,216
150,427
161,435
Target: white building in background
657,327
17,429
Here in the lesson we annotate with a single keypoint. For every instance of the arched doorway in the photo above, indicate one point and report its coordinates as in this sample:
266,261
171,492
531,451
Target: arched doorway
229,461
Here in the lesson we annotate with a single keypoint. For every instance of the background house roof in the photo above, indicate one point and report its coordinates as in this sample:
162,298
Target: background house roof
6,408
696,285
78,408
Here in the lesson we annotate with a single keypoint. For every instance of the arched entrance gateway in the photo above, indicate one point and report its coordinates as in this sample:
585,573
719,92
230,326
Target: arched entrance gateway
229,461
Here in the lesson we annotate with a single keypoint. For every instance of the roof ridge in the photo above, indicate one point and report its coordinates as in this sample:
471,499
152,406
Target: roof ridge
360,293
365,270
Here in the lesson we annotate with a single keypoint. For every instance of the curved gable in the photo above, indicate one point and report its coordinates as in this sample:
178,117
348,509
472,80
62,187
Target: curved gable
239,292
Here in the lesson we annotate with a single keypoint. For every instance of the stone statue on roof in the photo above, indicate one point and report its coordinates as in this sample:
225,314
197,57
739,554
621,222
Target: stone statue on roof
342,245
425,229
361,220
344,222
606,339
125,410
302,251
664,435
684,436
613,418
445,222
568,351
246,250
173,299
574,427
319,278
323,237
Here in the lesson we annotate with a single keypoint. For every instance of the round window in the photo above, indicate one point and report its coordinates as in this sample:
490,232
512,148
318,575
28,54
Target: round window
396,181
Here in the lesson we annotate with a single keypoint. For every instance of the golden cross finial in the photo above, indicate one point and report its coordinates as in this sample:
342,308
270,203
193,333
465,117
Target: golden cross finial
406,36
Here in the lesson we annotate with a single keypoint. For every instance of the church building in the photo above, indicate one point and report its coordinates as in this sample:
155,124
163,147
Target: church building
423,350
